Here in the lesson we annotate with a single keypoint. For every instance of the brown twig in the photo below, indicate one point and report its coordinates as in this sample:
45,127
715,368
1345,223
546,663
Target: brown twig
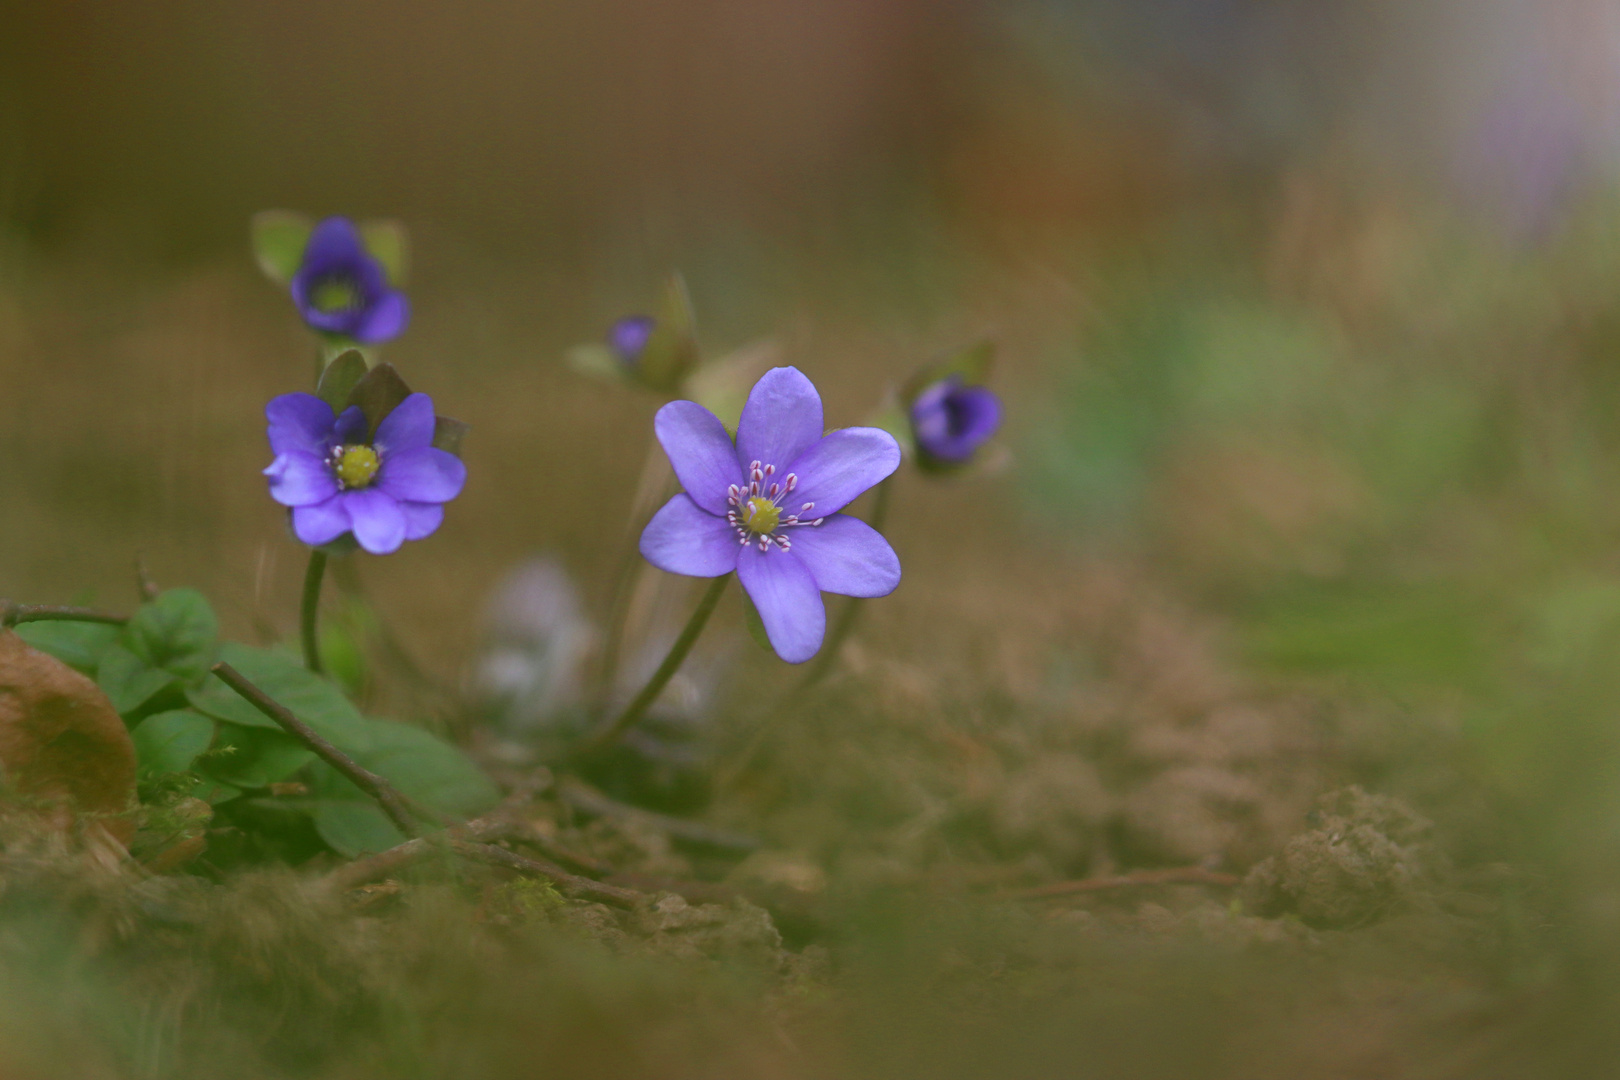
587,800
571,885
392,803
12,614
1178,875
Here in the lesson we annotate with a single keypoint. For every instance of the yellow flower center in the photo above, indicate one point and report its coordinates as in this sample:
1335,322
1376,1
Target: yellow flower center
761,515
356,465
335,294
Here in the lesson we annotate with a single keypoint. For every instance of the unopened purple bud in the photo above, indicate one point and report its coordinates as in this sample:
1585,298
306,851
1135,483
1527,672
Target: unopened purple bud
340,287
950,420
629,336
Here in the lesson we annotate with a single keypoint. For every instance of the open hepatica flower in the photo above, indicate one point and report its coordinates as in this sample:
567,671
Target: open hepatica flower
385,489
767,507
341,288
950,420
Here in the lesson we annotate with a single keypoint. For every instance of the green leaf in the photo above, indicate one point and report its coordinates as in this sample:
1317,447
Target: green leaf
448,434
339,378
250,757
420,764
279,238
355,828
390,244
77,644
756,625
168,742
128,681
378,393
312,699
671,352
175,632
214,791
598,361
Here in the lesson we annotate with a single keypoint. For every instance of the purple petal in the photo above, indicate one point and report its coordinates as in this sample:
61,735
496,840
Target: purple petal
409,426
321,524
682,538
847,556
951,421
834,472
384,320
422,519
629,336
333,242
705,462
299,422
377,519
781,419
789,604
422,474
350,426
300,479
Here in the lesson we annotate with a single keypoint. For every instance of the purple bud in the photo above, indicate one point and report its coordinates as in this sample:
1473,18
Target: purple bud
950,420
629,336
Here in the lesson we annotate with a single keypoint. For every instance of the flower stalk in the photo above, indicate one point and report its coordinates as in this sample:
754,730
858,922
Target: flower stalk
609,733
309,613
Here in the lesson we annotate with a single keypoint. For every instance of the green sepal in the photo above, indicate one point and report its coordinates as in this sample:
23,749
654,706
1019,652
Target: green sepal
756,625
598,361
448,434
378,393
279,238
340,377
671,352
170,742
972,365
389,242
177,632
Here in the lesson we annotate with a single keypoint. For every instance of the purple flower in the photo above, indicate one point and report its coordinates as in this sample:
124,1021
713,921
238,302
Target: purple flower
385,490
768,506
340,288
629,336
950,420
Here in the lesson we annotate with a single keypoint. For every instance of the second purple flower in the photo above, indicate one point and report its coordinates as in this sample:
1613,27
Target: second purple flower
767,507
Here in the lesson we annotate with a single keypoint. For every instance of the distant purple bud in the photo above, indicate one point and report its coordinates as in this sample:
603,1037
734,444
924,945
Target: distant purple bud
950,420
629,336
340,287
386,491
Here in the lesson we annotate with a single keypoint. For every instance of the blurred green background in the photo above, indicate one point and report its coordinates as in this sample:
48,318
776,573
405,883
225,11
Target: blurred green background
1307,317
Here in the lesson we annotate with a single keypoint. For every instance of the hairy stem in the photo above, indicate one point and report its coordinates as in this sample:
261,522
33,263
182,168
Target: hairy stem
309,614
609,733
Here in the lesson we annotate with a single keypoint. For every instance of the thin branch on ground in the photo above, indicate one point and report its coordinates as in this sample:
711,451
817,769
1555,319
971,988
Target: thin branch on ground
392,802
587,800
13,614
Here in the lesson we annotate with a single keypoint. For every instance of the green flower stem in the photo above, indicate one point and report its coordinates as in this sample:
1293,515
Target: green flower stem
309,614
608,734
651,490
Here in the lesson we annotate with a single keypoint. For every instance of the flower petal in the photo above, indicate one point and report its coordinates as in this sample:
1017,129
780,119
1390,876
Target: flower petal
410,425
422,474
704,460
384,320
838,468
299,422
322,523
781,419
300,479
333,242
683,538
350,426
951,421
789,604
422,519
847,556
377,519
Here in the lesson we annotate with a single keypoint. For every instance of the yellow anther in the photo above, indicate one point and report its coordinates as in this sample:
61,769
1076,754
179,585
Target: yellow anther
356,465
